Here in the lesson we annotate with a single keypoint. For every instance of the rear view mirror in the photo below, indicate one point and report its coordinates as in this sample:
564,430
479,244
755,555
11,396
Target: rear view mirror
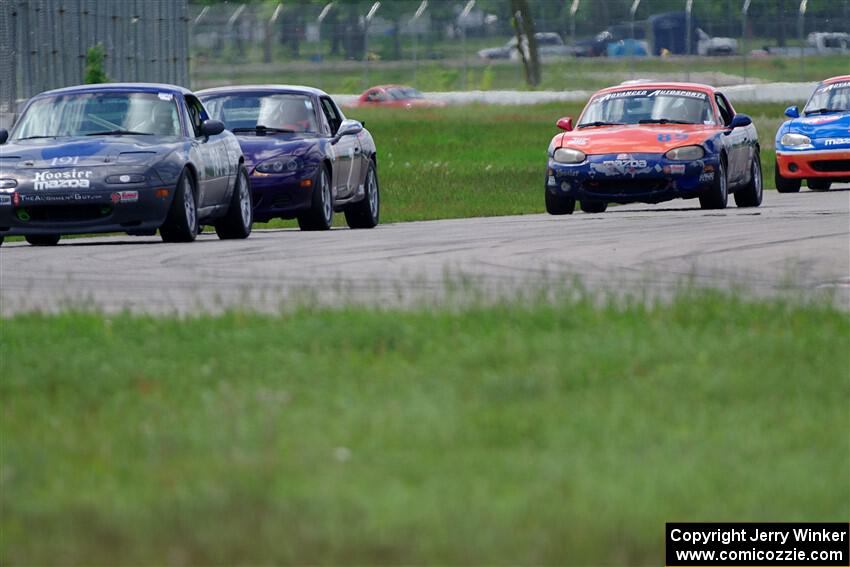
740,120
565,123
347,128
792,112
211,128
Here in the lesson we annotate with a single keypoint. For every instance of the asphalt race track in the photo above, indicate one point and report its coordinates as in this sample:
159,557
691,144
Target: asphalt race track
798,243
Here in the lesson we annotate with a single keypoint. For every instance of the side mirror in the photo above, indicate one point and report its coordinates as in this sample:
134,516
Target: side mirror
211,127
792,112
565,123
4,135
740,120
347,128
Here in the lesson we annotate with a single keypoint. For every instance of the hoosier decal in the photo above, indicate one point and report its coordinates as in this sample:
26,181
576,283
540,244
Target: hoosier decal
71,179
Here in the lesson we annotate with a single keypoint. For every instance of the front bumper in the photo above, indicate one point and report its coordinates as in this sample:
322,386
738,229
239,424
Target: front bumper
281,195
631,178
82,211
829,164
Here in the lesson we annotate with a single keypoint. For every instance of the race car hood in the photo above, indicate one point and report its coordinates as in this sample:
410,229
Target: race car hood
47,153
822,126
634,138
257,149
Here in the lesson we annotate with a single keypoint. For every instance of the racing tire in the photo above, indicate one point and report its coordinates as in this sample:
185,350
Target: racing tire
750,195
43,239
819,184
717,195
236,224
559,204
181,224
593,206
366,212
785,184
320,216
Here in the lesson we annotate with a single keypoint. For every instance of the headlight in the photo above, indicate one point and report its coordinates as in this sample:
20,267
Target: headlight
795,140
568,155
285,164
125,178
685,153
8,183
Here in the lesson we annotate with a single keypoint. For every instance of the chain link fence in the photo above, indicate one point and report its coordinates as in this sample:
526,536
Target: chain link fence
43,44
442,45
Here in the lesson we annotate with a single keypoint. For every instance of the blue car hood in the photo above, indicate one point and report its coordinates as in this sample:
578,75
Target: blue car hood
835,125
257,149
83,151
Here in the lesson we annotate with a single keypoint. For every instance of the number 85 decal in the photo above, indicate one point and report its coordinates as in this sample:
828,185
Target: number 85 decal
671,137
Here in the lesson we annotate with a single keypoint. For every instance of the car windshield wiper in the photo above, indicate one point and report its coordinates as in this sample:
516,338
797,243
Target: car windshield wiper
599,123
35,137
119,133
824,110
260,129
663,121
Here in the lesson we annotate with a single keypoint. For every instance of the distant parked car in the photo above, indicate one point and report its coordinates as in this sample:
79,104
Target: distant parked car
549,45
653,142
397,96
815,146
128,158
712,46
305,160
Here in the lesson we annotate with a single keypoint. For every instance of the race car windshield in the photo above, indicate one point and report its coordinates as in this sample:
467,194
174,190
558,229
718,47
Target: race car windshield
91,114
830,98
281,113
647,106
404,93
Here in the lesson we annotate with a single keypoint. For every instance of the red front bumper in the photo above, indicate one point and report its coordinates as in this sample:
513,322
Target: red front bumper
827,164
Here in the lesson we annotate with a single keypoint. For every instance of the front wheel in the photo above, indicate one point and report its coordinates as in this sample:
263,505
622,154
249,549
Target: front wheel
43,239
819,184
717,196
366,213
785,184
320,216
181,224
750,195
559,204
236,224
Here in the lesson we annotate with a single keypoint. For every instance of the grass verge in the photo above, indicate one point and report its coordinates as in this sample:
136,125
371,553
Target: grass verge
564,432
481,160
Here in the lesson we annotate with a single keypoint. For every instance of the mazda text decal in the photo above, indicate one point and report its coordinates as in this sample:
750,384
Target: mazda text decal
71,179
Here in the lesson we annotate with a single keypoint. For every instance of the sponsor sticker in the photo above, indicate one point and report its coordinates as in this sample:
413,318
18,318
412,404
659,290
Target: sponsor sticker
551,182
125,197
833,86
67,179
706,177
577,141
5,200
820,119
165,96
27,198
836,141
675,169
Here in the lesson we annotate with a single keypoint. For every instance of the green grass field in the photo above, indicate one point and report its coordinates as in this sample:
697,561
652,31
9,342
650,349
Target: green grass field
557,433
480,160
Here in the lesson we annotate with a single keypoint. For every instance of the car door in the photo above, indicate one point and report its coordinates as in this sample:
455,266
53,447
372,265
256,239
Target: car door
736,142
213,161
346,152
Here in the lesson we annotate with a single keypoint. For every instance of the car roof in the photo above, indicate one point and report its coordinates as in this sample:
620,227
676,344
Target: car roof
653,85
283,89
838,79
119,87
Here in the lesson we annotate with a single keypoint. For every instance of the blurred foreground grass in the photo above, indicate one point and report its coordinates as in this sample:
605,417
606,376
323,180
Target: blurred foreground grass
531,433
